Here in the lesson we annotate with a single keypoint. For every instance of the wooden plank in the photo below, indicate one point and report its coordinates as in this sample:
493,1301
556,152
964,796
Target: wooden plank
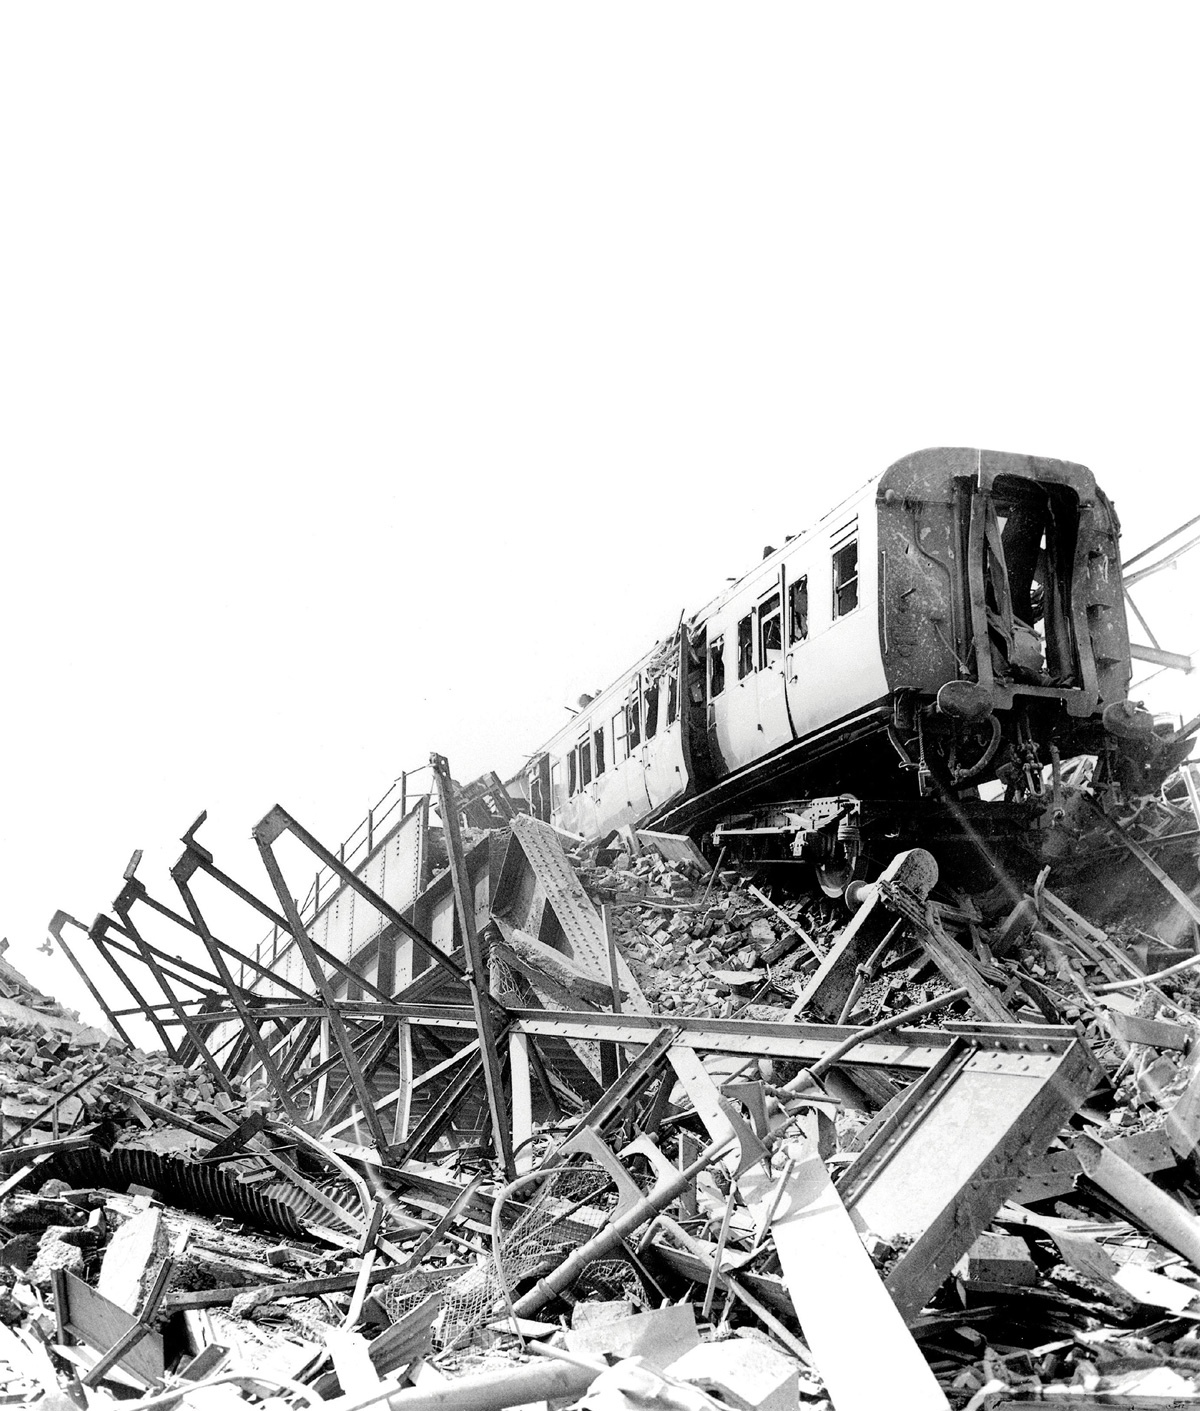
286,1288
672,847
824,996
781,948
1157,1033
1080,923
522,1101
1147,1204
962,970
23,1173
841,1303
100,1323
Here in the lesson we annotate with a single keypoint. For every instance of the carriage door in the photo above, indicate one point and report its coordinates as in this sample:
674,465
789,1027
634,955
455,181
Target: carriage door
774,719
637,796
539,788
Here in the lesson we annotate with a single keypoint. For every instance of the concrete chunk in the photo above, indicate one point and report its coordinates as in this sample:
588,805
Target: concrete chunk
748,1374
131,1260
660,1336
1000,1259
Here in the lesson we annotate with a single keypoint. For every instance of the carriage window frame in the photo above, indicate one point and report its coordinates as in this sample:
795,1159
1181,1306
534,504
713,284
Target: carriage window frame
598,749
769,616
584,750
672,698
745,646
651,700
845,584
620,746
716,668
798,610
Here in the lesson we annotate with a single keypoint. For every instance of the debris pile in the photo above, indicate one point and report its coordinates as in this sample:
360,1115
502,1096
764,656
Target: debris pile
497,1118
696,949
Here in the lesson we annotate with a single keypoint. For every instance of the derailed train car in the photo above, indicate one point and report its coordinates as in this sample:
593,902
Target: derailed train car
957,622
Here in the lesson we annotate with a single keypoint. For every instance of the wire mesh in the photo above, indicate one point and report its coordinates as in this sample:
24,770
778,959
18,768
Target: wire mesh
534,1245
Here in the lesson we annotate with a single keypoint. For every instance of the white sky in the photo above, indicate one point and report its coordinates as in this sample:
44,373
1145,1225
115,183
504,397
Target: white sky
377,378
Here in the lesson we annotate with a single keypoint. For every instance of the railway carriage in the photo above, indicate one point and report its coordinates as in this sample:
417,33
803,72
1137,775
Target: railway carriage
958,621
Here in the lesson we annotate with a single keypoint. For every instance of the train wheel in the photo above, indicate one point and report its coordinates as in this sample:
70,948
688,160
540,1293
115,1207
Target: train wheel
834,877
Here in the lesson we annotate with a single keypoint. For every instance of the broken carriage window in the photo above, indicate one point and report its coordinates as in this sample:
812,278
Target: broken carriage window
652,689
845,579
555,783
572,774
585,763
633,722
745,647
770,631
798,609
598,749
716,668
672,698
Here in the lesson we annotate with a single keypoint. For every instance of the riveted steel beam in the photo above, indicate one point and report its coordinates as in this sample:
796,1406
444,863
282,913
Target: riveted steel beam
476,975
264,835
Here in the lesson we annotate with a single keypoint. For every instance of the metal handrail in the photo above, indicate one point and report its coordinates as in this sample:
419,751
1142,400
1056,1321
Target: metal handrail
353,848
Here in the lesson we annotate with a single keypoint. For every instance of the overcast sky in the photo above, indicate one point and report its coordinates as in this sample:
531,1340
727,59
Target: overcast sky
377,378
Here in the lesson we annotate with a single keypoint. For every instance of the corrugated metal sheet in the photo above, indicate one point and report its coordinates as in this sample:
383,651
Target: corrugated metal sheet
208,1190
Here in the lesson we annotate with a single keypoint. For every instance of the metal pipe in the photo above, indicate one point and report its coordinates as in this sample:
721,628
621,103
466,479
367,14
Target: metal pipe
810,1075
614,1232
866,971
1177,969
1158,543
490,1391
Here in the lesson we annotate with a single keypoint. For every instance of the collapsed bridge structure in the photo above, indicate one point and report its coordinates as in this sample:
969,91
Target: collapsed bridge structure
520,1104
